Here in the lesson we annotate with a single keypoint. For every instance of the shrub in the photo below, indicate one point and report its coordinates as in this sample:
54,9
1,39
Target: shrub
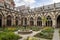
48,29
46,32
32,38
9,36
10,29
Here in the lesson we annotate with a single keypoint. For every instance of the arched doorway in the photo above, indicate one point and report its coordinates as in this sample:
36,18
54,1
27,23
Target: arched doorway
31,21
58,21
49,21
0,20
9,20
39,21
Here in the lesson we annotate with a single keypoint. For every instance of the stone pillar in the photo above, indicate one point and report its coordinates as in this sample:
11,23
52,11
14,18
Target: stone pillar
23,22
43,24
28,22
35,22
2,21
14,21
54,23
19,22
5,21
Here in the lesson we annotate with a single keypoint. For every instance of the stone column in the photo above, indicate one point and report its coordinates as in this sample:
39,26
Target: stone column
14,21
43,24
5,21
23,22
54,23
28,21
2,21
35,22
19,22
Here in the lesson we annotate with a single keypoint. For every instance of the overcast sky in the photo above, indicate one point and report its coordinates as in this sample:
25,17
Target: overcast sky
34,3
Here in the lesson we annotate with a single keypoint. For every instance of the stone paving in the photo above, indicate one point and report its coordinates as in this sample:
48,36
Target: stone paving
56,35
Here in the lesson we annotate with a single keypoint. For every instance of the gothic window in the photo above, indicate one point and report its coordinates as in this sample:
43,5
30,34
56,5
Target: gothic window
39,21
9,20
49,21
31,21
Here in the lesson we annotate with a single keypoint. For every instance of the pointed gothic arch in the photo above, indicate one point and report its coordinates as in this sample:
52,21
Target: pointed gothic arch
49,21
31,21
39,21
9,20
58,21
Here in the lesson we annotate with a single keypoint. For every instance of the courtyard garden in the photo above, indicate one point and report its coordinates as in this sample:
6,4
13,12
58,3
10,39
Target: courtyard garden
46,33
9,36
8,33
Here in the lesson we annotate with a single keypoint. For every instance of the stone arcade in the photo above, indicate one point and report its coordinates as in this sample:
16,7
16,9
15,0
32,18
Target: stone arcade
20,16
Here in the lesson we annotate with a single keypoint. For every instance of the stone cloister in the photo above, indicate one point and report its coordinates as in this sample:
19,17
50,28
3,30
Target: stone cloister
48,15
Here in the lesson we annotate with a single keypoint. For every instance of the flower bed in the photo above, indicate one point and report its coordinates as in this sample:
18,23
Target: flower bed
9,36
46,33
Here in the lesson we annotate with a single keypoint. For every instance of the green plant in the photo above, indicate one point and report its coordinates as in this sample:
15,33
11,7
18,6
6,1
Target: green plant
10,29
46,33
9,36
32,38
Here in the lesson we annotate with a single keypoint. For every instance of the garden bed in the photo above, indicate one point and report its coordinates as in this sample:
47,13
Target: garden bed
46,33
9,36
12,29
33,28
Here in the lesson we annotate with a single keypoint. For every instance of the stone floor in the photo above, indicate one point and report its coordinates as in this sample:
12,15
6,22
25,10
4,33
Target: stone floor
56,35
